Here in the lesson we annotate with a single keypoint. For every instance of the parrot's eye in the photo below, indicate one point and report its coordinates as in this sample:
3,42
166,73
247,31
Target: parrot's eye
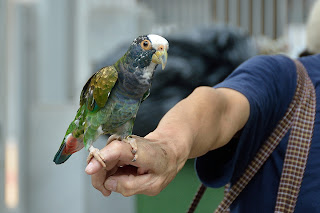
146,45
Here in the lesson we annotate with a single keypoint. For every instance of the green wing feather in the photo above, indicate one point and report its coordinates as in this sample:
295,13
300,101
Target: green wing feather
145,96
98,88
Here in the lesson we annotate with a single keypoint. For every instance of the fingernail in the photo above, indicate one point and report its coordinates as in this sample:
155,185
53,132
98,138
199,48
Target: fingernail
89,168
111,184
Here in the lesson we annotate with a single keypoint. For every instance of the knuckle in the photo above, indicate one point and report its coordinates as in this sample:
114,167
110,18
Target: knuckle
117,145
154,190
96,185
152,193
126,194
127,186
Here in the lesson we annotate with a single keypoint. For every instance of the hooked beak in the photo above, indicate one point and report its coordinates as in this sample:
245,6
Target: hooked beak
160,57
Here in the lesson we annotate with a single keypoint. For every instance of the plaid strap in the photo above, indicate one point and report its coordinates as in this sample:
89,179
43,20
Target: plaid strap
197,198
300,118
298,148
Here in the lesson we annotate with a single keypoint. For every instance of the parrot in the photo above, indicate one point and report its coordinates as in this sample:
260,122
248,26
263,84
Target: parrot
110,99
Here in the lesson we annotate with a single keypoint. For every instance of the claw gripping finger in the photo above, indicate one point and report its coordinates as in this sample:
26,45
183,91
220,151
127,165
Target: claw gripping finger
133,143
94,152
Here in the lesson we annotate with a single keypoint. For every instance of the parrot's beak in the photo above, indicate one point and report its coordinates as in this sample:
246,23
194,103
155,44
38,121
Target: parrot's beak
160,57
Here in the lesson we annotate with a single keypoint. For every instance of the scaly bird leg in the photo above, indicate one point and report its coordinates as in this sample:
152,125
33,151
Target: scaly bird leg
94,152
113,137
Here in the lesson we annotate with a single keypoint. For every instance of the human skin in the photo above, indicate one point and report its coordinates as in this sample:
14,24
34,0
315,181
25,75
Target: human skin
206,120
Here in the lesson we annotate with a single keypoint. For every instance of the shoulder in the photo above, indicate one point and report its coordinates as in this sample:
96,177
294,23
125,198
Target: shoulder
268,64
269,84
311,63
266,67
262,77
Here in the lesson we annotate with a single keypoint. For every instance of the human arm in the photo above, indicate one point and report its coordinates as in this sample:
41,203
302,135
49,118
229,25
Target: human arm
207,119
204,121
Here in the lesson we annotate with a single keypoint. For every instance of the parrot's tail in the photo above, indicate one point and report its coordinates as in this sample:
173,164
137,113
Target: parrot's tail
61,156
69,146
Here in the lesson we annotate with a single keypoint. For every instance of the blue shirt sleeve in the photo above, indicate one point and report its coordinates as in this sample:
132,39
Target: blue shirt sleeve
268,82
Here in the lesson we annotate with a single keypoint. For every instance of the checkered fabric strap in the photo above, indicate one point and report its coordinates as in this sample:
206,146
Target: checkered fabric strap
298,148
197,198
300,118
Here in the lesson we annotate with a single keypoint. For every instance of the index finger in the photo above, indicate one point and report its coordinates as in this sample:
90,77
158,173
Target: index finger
93,167
113,154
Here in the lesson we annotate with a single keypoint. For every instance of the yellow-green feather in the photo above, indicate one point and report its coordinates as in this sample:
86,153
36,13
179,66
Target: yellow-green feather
103,83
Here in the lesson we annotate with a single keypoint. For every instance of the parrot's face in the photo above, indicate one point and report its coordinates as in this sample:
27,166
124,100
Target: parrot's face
146,52
150,49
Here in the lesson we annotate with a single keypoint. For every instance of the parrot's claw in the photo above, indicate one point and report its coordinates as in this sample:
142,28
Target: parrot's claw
133,143
130,140
94,152
113,137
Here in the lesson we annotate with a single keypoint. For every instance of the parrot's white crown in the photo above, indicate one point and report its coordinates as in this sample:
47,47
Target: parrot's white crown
157,40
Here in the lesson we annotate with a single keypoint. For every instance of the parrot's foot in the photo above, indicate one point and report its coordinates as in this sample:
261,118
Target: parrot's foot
94,152
130,140
133,143
113,137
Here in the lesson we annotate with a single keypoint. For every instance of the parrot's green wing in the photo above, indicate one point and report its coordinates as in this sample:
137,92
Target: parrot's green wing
98,87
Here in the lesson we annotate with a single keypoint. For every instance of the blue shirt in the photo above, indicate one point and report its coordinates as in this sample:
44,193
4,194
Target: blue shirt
268,82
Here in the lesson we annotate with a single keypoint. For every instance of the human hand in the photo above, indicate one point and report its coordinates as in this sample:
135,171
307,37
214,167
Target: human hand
154,169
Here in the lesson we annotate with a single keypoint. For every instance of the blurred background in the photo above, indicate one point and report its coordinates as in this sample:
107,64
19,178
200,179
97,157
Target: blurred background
48,50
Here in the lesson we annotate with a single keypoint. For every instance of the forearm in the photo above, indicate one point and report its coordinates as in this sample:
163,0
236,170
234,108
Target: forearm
200,123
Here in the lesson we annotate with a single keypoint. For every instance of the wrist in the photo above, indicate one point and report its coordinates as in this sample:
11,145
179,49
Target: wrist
176,145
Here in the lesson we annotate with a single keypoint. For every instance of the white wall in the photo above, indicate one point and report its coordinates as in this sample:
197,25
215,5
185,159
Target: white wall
47,48
3,87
